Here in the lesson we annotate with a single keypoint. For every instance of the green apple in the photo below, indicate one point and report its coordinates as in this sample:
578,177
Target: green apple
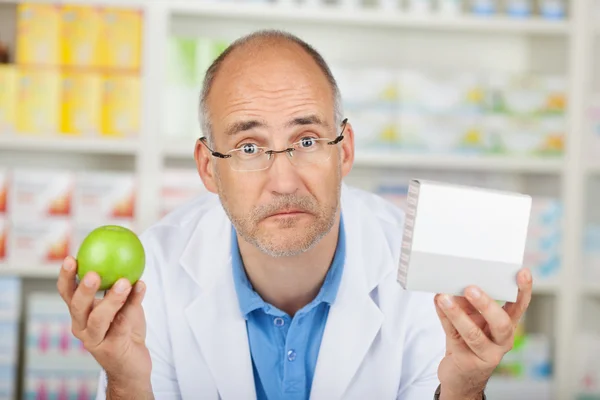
113,252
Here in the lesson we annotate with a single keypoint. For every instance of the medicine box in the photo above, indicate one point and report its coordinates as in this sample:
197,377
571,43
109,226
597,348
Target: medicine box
3,191
38,97
38,34
456,236
121,40
8,97
3,240
81,35
121,104
35,194
101,196
39,242
81,103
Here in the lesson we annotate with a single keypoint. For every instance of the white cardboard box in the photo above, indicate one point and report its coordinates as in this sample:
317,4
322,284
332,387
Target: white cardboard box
456,236
102,196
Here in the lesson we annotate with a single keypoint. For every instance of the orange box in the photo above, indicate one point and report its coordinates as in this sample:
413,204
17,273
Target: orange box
38,100
3,190
102,196
39,242
121,105
82,32
81,103
37,194
121,40
38,34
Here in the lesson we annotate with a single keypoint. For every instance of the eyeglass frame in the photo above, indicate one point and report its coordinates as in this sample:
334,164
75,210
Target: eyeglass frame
289,150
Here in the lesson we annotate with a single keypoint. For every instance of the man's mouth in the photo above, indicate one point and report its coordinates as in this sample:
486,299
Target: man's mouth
288,212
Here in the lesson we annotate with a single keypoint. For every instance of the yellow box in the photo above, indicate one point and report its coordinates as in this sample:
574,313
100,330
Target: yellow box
121,105
38,34
81,33
8,97
38,99
120,45
81,103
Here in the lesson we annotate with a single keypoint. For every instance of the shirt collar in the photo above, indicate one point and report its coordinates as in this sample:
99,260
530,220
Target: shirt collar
249,300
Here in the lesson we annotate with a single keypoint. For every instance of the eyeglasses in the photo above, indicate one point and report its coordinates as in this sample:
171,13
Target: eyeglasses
308,150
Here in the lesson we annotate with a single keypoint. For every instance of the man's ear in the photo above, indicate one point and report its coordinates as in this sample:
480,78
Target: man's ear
347,149
204,166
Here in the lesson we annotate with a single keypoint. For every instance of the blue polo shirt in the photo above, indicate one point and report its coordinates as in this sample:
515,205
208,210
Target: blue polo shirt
284,350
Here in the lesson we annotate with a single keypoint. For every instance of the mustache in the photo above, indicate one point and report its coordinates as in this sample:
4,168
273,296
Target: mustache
285,202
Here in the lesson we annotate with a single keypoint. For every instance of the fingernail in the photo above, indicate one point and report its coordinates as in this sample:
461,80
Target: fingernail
139,287
68,264
446,301
121,286
89,280
474,293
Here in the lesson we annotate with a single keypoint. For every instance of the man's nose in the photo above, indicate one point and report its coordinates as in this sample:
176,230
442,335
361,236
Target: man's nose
283,175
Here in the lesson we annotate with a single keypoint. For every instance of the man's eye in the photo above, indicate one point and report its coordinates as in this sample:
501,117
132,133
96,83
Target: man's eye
249,148
307,142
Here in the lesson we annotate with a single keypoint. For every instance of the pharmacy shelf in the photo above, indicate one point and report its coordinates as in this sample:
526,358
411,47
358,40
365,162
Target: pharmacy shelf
47,272
368,18
461,162
591,289
60,143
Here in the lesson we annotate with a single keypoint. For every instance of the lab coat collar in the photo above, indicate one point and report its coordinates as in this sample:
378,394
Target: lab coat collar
353,322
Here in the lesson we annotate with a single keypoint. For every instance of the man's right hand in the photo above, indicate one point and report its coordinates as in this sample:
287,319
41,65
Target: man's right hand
112,329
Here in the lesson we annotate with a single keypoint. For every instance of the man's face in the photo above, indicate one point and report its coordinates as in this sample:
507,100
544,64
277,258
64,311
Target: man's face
273,98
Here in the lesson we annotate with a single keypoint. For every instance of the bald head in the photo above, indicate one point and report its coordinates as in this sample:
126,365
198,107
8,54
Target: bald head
274,52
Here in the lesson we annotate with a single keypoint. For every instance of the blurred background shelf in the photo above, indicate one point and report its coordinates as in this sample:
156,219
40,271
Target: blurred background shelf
75,145
48,272
367,18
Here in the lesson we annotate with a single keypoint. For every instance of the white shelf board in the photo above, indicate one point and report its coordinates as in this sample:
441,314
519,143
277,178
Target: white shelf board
367,17
460,162
46,272
591,289
593,168
58,143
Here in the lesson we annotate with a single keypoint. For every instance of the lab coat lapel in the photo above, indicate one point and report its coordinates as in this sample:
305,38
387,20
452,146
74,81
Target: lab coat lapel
214,315
354,319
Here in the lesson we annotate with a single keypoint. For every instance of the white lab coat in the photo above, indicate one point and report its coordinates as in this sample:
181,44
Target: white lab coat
380,341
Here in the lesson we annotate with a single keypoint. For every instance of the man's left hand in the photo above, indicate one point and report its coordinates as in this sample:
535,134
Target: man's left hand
479,332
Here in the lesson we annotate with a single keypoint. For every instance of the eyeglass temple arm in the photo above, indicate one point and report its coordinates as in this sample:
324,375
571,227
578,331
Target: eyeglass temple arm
341,135
214,153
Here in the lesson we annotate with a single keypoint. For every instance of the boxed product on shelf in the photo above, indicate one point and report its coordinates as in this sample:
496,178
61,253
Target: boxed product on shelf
3,240
178,187
3,190
81,35
587,368
38,34
8,97
373,88
39,242
208,49
101,196
35,194
378,130
544,239
8,375
9,340
121,38
56,363
81,103
10,297
38,99
121,104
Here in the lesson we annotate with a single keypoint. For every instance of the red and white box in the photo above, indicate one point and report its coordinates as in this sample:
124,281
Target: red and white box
3,191
36,194
104,196
3,240
35,243
178,187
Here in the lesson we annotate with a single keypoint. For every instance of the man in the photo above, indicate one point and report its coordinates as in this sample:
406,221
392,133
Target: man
282,285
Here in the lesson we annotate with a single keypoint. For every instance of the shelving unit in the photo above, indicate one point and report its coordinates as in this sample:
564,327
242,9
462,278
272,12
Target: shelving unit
488,43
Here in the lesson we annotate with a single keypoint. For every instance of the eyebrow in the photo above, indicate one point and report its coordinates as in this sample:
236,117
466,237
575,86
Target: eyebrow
242,126
307,120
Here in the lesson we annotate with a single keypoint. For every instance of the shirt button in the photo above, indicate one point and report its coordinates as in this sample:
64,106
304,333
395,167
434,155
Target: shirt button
279,321
291,355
